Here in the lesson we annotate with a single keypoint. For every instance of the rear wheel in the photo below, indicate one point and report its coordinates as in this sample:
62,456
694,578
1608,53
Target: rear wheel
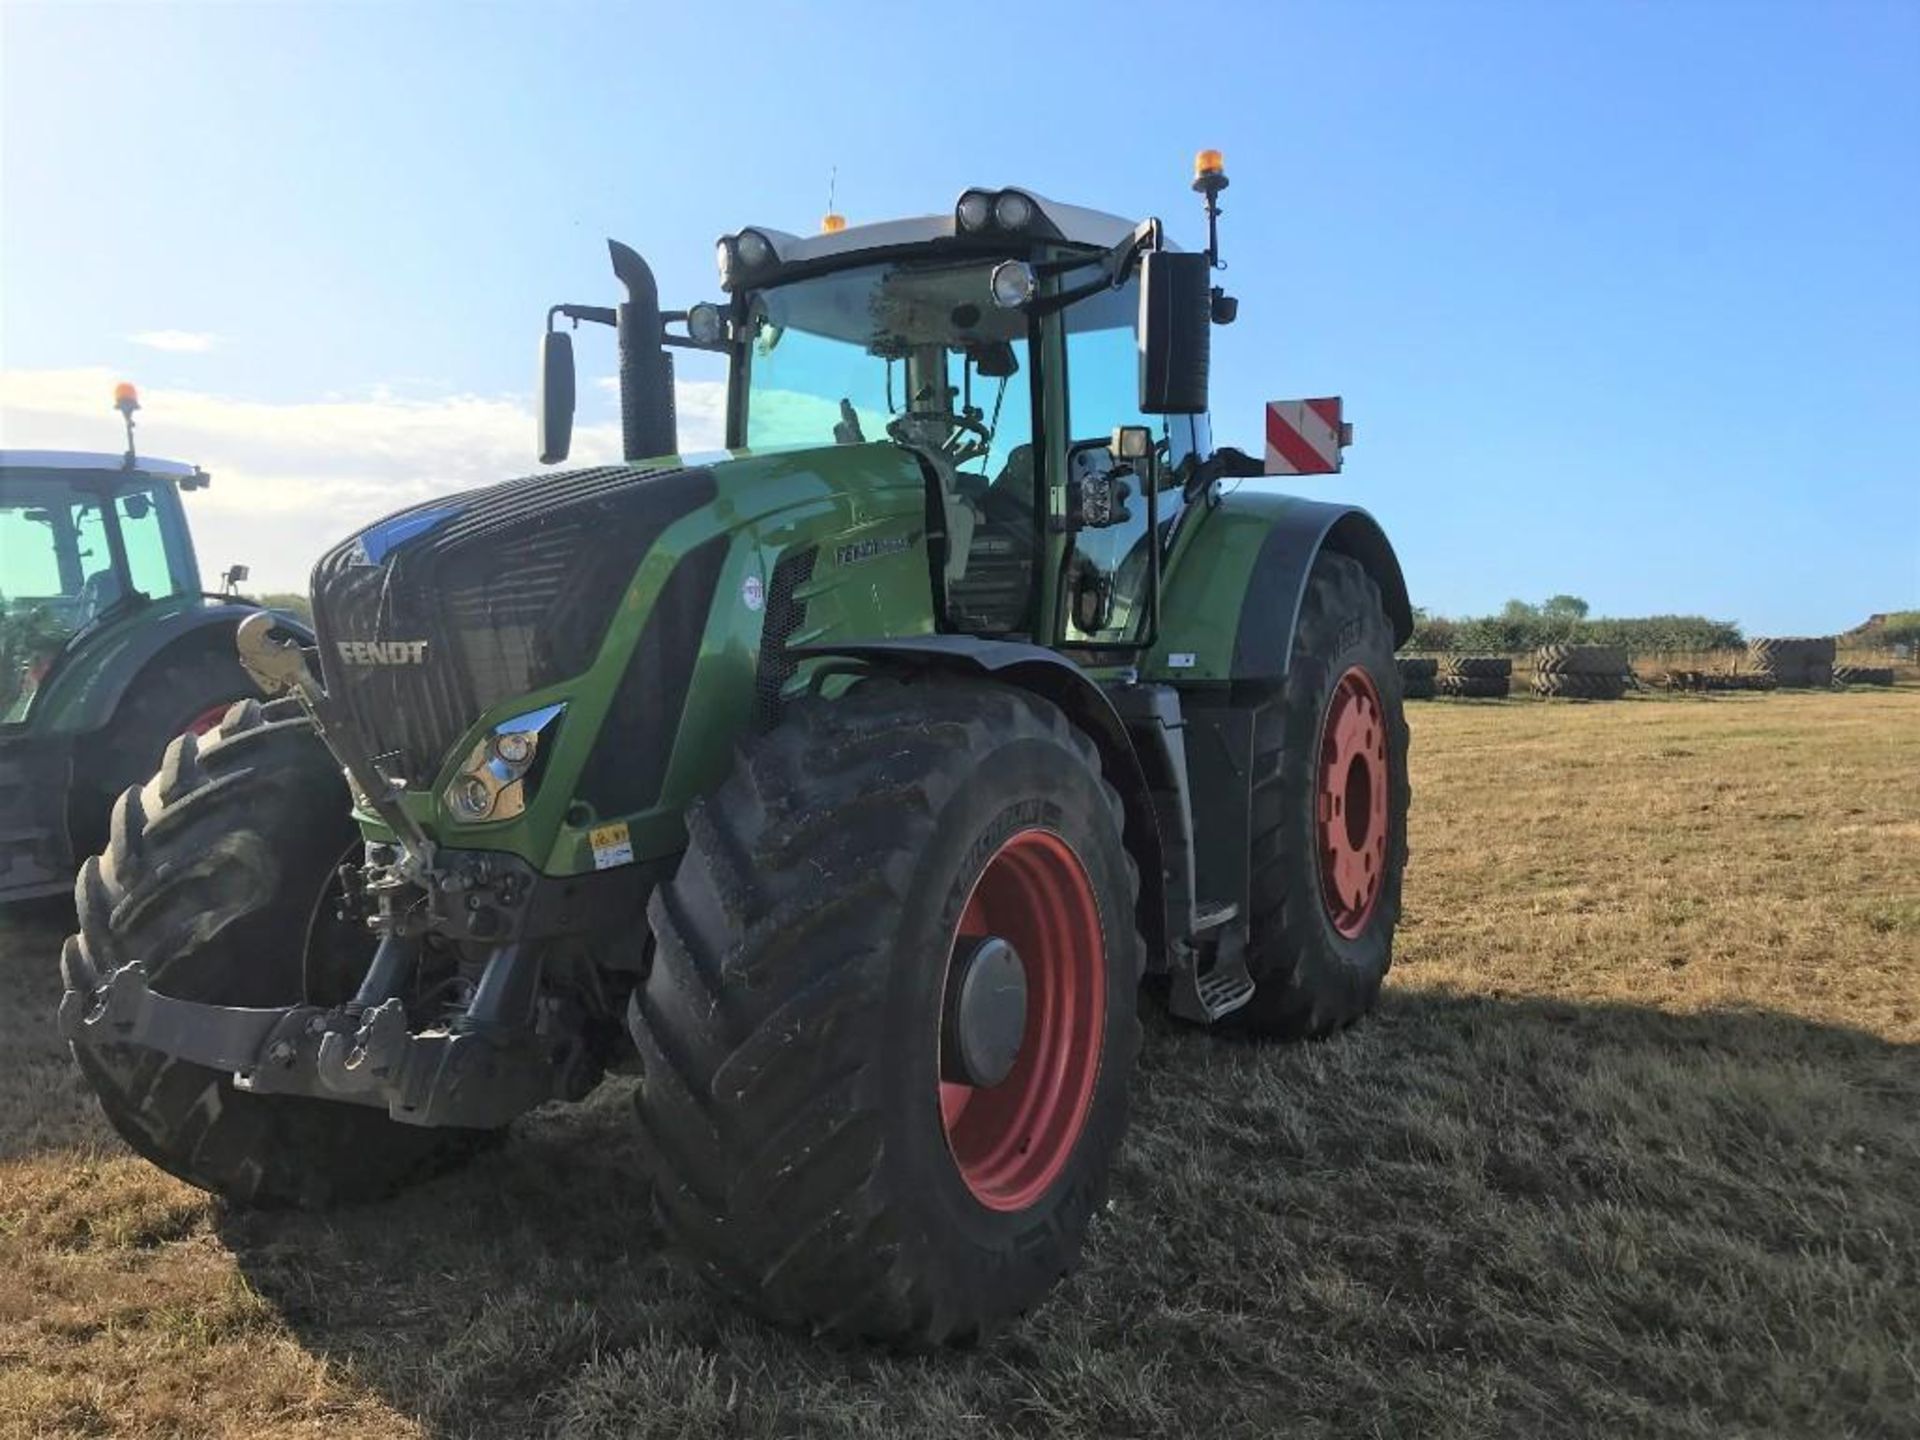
217,880
1329,815
892,1014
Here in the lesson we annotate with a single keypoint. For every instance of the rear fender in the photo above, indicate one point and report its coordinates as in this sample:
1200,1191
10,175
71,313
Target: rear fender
86,690
1233,592
1054,678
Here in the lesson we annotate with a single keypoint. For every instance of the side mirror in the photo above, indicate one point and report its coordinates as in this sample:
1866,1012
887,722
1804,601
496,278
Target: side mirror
555,400
233,578
1175,335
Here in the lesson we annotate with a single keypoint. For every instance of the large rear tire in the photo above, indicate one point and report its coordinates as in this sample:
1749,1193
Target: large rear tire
216,880
809,1143
1329,815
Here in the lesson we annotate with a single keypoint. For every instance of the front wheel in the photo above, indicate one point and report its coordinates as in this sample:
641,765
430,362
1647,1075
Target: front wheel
183,693
892,1015
1329,815
216,881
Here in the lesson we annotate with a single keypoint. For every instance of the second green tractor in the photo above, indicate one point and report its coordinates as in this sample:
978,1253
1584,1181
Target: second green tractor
851,784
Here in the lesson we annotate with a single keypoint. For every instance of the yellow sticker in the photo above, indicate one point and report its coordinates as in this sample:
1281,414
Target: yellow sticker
611,845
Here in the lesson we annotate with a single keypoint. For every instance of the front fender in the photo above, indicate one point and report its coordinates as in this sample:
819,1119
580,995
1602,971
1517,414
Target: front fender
1233,591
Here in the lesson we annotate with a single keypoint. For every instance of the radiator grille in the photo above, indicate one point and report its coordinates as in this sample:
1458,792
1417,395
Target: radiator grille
511,588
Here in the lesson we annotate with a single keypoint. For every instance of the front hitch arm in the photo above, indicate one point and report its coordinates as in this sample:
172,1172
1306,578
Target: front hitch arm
127,1010
474,1074
280,668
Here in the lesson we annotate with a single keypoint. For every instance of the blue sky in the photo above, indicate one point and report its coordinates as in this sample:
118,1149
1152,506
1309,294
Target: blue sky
1623,298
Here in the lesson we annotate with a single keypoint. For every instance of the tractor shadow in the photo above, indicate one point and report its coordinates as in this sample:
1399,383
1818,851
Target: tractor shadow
1366,1232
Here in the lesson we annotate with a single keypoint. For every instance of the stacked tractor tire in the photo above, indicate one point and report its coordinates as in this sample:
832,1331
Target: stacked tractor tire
1417,674
1580,672
1863,675
1482,677
1605,672
1794,661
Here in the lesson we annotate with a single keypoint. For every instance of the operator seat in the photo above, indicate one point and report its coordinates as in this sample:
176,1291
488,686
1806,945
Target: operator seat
991,588
101,589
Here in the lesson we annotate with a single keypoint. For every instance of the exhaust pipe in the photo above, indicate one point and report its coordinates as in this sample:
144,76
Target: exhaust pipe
648,425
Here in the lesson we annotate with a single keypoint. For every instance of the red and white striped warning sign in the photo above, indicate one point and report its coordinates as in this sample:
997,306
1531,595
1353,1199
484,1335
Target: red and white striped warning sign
1304,437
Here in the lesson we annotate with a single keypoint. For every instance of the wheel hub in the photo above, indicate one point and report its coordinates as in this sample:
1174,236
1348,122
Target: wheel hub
1351,819
986,1014
1031,915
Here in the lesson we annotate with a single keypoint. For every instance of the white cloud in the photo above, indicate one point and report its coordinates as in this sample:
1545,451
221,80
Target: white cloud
179,342
291,478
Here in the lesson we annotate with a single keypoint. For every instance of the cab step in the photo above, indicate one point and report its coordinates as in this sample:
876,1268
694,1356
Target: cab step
1205,995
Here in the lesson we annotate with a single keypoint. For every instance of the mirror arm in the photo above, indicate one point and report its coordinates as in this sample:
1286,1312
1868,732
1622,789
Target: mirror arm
1225,463
595,314
1116,265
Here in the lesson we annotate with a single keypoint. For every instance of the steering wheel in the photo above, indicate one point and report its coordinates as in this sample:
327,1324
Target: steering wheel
952,446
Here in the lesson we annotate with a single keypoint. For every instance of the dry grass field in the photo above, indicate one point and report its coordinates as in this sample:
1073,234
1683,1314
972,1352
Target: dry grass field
1632,1148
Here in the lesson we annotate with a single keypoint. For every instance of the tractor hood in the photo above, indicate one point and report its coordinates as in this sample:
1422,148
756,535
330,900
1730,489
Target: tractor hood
434,614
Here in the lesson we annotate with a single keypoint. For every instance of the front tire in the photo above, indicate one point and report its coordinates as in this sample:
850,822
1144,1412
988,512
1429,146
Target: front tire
809,1141
216,880
1329,815
183,693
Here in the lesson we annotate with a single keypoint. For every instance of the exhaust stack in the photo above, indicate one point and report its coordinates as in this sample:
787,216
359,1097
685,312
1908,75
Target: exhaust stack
648,425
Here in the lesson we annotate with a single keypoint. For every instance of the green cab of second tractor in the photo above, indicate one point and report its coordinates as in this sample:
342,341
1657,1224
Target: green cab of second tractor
851,781
109,644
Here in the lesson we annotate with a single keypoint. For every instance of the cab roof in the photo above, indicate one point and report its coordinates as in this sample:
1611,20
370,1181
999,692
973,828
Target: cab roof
99,460
1074,224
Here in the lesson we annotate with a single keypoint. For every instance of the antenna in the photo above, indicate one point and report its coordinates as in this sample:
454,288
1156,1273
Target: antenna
832,223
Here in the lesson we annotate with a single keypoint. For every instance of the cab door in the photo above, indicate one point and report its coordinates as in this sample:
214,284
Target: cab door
1110,507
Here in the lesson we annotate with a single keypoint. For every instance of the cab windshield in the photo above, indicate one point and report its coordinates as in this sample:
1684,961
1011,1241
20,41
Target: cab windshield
58,572
915,353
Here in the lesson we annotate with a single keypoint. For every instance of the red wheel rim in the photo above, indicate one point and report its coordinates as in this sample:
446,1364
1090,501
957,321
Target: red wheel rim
207,719
1011,1141
1351,803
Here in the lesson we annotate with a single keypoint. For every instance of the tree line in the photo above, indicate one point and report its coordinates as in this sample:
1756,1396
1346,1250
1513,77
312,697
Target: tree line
1564,619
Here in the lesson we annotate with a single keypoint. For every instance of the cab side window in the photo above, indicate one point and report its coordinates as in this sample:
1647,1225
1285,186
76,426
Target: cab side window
1107,583
146,544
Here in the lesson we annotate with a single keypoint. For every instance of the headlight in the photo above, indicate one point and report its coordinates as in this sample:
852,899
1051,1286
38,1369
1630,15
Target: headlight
754,249
500,775
706,324
1012,284
1012,211
974,210
471,798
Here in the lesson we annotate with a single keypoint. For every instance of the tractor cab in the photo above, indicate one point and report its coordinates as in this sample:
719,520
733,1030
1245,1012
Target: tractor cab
86,540
108,645
1045,364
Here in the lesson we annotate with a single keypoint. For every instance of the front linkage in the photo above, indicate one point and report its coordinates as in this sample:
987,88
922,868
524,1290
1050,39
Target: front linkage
479,1066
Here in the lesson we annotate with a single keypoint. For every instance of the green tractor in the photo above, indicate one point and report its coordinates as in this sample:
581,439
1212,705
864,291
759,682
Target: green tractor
109,646
850,785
